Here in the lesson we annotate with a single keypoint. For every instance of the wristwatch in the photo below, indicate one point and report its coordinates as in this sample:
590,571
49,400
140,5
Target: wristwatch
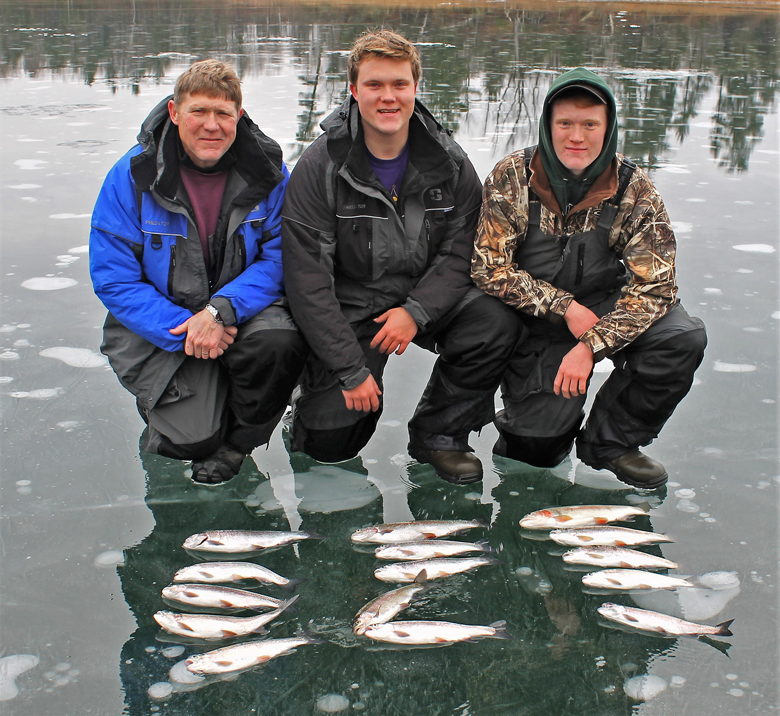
214,312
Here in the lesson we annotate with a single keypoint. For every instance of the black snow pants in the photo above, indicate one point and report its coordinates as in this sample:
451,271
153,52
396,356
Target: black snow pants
473,341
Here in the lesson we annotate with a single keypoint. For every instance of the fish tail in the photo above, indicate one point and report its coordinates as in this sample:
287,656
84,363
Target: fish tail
723,628
501,632
311,637
485,546
311,534
292,584
482,523
289,603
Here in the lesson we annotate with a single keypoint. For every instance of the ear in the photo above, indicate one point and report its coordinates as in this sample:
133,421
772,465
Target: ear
415,87
173,112
353,90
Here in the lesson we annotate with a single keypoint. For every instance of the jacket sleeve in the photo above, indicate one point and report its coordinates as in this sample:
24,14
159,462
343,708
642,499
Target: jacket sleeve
308,250
262,282
502,227
648,248
447,279
117,276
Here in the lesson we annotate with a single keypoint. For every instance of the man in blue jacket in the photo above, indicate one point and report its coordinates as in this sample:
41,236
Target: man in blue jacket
185,253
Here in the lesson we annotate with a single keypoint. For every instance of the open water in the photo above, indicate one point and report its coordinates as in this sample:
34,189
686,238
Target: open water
92,530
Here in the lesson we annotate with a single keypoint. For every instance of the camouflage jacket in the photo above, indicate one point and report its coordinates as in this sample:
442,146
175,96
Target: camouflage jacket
641,236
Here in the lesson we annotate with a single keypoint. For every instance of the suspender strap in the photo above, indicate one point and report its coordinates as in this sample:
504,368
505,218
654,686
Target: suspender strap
534,205
609,212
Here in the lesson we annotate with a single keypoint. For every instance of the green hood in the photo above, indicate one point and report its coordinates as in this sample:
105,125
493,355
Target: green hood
568,189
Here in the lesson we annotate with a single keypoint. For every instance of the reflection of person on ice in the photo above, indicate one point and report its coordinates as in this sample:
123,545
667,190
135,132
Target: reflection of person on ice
378,232
577,238
185,252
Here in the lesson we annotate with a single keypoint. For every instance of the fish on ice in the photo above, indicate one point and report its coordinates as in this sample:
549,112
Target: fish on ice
606,537
629,579
385,607
247,655
433,568
661,624
243,541
616,557
395,532
233,572
434,632
206,596
579,516
430,549
214,627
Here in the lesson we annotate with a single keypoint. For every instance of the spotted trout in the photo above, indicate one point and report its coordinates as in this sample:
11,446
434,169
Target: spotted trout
425,632
579,516
606,537
661,624
393,533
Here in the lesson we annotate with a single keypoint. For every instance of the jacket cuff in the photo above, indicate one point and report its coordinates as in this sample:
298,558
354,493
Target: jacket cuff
595,342
353,380
225,308
417,312
559,306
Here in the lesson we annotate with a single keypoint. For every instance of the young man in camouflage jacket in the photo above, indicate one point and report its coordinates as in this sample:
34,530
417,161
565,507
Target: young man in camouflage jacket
577,239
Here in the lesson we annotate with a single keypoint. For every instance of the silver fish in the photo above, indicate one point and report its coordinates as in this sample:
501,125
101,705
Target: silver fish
247,655
214,627
430,549
204,596
434,568
615,557
606,537
661,624
579,516
385,607
227,572
395,532
424,632
243,541
628,579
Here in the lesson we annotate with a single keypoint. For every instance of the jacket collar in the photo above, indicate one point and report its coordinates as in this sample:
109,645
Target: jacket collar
156,168
604,187
429,143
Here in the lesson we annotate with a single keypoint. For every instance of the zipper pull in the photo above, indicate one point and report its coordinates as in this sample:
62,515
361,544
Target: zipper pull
427,230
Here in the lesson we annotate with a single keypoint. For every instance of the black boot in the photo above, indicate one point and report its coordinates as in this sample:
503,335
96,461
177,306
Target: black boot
635,469
459,468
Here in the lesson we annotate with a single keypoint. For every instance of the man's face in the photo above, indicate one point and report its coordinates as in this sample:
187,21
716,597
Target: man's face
207,127
577,134
384,91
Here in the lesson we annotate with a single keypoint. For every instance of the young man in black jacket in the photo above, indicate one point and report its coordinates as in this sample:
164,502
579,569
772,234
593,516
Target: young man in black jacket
377,232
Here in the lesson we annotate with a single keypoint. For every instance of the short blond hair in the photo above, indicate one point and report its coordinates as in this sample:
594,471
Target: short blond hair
382,43
212,78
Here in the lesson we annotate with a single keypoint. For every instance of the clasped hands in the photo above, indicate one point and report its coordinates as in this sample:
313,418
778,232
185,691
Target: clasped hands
205,337
577,365
395,335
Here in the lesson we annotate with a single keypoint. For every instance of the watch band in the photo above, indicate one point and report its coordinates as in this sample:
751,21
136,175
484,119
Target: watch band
214,313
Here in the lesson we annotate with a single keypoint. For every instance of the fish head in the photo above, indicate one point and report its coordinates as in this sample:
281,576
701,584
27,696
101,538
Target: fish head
194,541
171,591
364,535
536,520
608,609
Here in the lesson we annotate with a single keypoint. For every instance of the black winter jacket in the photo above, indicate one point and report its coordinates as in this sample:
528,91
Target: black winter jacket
350,253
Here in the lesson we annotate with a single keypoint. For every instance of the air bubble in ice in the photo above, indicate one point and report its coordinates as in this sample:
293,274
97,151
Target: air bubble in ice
171,652
736,692
645,687
9,355
721,367
332,703
38,394
755,248
11,667
160,690
473,496
79,249
179,674
687,506
720,580
48,283
677,681
685,493
110,558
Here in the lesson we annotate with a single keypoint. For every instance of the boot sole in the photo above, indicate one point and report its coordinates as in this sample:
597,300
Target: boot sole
650,485
466,479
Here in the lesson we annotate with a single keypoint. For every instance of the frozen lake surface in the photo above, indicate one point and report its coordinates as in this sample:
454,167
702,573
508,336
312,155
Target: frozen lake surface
92,529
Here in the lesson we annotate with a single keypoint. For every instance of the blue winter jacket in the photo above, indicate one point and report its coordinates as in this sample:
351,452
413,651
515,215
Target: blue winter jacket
147,264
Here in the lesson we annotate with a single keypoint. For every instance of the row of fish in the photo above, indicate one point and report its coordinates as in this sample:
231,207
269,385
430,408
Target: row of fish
197,588
422,558
622,569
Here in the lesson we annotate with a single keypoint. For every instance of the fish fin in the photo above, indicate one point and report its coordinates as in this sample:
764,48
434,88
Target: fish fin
311,534
189,593
422,577
584,538
429,535
500,624
286,605
625,565
406,552
644,506
207,574
620,543
260,630
384,530
262,659
441,640
227,634
617,582
723,629
563,518
630,618
484,545
481,523
601,521
183,625
216,542
223,662
225,604
646,586
501,632
402,634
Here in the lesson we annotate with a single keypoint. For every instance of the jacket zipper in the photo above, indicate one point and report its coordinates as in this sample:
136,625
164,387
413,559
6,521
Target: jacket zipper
171,270
580,264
